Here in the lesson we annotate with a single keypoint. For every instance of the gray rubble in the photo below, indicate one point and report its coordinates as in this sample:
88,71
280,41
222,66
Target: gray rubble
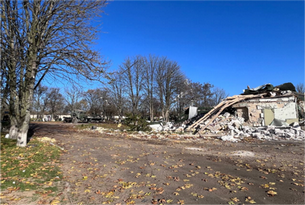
225,127
167,127
234,129
231,128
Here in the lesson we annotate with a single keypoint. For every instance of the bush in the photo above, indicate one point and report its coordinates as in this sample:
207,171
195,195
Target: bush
136,123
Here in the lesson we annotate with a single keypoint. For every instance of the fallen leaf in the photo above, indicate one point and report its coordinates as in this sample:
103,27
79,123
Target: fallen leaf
53,202
271,193
235,199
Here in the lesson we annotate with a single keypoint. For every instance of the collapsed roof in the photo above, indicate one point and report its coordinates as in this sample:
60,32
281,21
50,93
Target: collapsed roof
269,88
265,105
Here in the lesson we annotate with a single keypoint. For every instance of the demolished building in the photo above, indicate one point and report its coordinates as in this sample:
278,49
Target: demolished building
262,112
266,111
279,106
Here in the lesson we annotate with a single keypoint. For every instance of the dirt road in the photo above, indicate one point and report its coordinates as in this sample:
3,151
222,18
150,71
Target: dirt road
118,169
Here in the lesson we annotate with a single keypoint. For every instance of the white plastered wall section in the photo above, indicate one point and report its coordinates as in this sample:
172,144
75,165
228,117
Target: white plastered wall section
282,108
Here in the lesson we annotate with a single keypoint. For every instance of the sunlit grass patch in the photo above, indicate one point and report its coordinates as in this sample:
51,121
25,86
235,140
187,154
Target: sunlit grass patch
33,167
6,143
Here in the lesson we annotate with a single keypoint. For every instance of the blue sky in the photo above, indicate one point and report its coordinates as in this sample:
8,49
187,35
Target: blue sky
230,44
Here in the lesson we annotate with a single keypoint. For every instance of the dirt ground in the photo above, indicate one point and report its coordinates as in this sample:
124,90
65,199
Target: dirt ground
101,168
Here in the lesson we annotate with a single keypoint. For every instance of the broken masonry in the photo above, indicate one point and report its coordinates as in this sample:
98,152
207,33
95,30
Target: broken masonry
265,112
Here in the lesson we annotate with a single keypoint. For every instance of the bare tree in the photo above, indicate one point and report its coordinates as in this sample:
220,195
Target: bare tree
117,93
72,97
149,82
206,91
168,78
149,85
95,99
43,38
219,94
82,105
132,73
197,93
40,101
4,93
55,101
300,88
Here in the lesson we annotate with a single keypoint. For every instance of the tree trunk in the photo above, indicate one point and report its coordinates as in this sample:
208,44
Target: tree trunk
22,137
23,131
163,114
19,132
1,119
13,133
151,110
166,115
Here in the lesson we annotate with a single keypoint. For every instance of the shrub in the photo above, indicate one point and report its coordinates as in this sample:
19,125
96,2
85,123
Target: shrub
136,123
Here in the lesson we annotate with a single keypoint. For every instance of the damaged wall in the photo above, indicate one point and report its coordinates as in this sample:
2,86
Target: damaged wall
267,111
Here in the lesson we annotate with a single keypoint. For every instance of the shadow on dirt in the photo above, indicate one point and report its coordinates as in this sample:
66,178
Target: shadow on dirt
33,128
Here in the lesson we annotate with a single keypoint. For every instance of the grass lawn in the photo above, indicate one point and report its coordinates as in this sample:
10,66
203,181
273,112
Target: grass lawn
34,167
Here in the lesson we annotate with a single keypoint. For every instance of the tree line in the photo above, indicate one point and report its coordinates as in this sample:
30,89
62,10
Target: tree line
54,102
155,86
150,87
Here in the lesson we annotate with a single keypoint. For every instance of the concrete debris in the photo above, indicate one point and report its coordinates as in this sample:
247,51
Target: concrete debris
280,133
201,124
166,136
233,129
99,129
265,113
226,127
167,127
156,127
229,138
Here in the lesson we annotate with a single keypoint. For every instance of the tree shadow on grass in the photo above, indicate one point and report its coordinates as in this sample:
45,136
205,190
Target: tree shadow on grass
7,142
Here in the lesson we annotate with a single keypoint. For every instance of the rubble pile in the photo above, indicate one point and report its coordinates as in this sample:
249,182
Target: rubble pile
167,127
203,122
155,135
225,127
271,113
272,132
234,129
